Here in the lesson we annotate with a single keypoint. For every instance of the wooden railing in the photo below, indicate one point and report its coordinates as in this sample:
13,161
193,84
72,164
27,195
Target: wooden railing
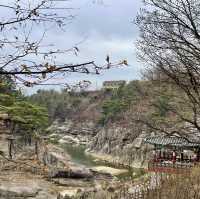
167,166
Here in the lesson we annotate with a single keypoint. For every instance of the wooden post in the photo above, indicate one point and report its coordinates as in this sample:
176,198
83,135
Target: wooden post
45,155
36,148
10,149
10,146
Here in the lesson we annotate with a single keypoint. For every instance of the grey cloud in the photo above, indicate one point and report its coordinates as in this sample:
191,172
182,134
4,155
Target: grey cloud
113,20
108,30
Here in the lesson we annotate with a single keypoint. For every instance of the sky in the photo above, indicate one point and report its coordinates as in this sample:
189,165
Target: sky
101,28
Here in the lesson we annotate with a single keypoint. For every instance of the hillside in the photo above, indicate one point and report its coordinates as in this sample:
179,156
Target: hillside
113,123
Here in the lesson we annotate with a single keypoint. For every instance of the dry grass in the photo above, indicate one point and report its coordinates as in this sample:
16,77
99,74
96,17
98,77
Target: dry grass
181,186
186,186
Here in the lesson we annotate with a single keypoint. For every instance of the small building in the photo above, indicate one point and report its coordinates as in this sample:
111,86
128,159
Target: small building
113,84
172,153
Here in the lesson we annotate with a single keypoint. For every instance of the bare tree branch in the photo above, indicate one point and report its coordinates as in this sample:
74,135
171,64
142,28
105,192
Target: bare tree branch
170,45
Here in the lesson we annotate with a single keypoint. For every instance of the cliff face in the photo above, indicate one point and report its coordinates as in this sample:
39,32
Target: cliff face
122,144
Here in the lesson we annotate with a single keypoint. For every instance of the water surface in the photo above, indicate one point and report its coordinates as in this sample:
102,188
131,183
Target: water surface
78,156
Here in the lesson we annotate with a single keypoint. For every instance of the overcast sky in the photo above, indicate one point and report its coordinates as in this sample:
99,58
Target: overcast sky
103,29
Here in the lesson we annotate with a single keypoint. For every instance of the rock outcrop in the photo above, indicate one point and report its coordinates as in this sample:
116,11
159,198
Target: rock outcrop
72,172
73,132
16,191
54,156
122,145
115,143
25,186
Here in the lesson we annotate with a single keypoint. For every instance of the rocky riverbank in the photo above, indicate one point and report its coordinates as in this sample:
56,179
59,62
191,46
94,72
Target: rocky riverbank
53,175
23,185
115,144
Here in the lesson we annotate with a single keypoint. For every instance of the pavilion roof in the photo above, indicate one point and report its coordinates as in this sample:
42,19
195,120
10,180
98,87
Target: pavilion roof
171,141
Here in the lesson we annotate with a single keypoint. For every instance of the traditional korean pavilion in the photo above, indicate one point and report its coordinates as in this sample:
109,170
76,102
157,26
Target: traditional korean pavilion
172,153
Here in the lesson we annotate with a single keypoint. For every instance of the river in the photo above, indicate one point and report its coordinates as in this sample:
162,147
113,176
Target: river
78,156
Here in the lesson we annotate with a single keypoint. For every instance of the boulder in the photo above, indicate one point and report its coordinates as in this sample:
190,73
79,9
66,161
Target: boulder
109,170
74,193
53,156
12,191
73,172
67,194
67,182
68,139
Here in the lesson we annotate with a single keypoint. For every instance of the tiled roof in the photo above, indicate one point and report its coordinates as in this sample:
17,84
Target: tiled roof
171,141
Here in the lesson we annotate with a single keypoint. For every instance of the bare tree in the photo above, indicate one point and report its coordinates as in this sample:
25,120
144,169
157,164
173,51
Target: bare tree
170,43
24,55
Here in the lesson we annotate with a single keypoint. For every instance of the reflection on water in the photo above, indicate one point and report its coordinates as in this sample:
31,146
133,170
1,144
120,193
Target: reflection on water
78,156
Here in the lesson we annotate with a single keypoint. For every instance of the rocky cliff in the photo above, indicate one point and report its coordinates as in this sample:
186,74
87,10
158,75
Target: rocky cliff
114,143
122,145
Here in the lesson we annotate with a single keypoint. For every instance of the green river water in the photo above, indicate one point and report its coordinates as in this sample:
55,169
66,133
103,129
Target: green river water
78,156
